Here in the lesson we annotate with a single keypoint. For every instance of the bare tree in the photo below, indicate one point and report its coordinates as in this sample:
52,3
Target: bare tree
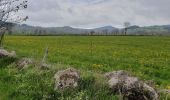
92,33
105,32
126,25
9,14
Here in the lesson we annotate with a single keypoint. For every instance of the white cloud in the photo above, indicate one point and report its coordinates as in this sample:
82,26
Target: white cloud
95,13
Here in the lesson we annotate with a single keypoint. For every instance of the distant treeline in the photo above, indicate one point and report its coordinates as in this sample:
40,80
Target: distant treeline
24,29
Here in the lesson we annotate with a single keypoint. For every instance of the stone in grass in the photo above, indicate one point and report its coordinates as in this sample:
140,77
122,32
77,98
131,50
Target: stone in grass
66,79
167,91
5,53
131,88
24,63
44,66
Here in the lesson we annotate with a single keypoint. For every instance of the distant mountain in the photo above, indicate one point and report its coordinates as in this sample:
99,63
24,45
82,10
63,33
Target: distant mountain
167,27
106,30
36,30
134,27
150,30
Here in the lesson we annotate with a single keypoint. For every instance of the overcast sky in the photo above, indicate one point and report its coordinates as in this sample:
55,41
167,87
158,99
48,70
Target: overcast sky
96,13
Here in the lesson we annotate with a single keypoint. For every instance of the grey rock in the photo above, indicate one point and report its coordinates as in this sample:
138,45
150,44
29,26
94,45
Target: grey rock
44,66
66,79
131,88
5,53
164,91
24,63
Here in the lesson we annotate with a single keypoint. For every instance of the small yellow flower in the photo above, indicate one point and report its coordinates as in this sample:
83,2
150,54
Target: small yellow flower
168,87
97,66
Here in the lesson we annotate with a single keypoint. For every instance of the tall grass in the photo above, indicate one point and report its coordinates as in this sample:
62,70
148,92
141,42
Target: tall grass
146,57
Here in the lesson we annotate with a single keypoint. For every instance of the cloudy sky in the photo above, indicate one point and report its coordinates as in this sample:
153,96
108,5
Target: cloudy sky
96,13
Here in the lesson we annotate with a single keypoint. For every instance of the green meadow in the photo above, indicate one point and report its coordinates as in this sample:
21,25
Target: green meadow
147,57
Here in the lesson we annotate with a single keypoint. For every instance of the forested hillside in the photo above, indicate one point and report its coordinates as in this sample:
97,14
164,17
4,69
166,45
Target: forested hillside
106,30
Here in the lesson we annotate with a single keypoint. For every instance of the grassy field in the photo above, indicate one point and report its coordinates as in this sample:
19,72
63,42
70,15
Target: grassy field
147,57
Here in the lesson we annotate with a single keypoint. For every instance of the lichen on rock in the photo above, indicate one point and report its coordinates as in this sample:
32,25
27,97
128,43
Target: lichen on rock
66,79
5,53
131,88
24,63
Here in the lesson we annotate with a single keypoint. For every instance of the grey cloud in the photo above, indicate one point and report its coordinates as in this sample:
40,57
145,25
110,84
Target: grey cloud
95,13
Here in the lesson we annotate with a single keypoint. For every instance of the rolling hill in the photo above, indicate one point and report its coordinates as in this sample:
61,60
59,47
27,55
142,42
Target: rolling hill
106,30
